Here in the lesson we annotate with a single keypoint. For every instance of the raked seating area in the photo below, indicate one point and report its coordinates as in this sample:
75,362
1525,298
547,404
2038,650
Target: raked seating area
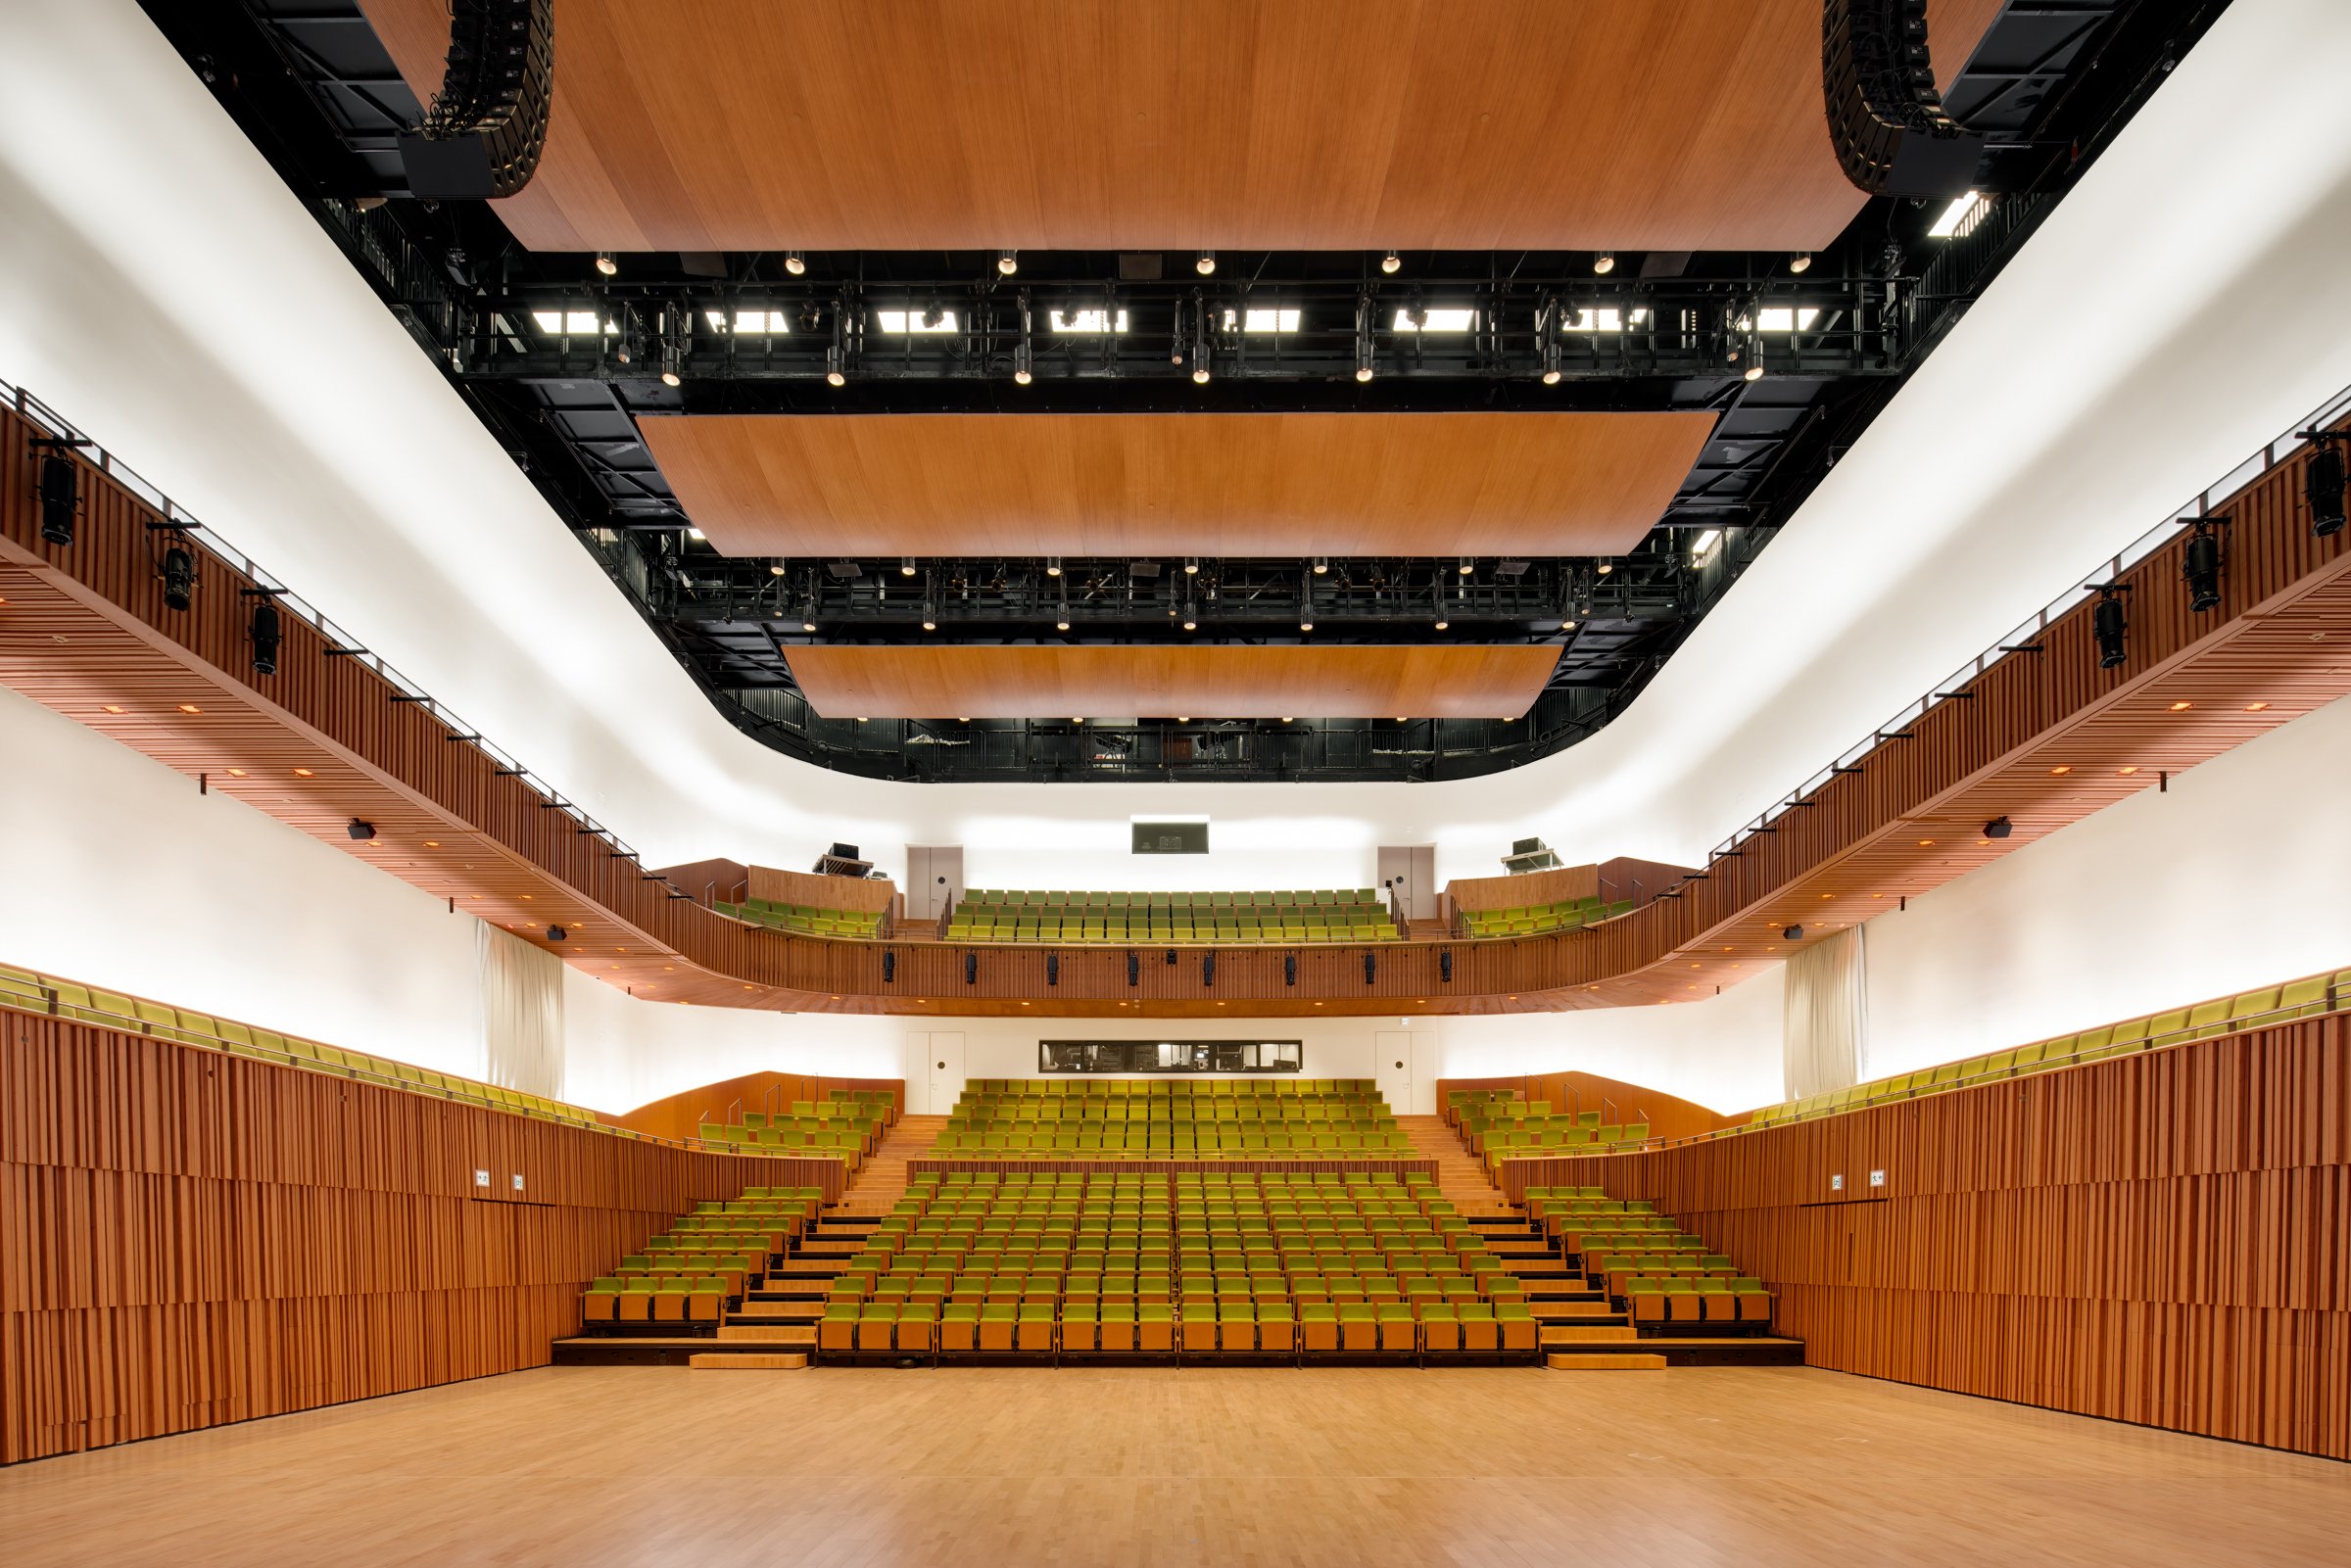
1352,915
1500,1126
1534,919
846,1126
689,1278
1660,1273
806,919
1172,1119
1078,1264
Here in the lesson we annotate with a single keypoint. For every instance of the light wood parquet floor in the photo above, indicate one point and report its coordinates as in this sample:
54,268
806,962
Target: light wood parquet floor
592,1466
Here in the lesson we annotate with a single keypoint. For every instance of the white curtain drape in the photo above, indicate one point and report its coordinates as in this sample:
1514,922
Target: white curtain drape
1826,1023
522,1014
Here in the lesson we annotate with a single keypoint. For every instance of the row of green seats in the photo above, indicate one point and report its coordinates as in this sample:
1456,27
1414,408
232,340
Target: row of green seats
981,898
1137,932
26,991
1283,1086
2278,1004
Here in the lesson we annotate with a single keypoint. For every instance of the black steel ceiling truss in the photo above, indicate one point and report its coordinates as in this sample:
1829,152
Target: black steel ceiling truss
313,87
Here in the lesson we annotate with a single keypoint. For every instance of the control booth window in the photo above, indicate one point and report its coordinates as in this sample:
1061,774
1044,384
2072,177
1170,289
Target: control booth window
1170,1056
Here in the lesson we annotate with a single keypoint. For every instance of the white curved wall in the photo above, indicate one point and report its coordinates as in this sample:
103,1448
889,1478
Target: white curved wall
157,283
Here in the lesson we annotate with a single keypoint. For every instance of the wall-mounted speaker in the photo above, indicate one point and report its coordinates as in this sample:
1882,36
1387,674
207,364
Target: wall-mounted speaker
1134,969
1370,967
1052,969
1289,968
971,969
1445,964
1208,969
890,968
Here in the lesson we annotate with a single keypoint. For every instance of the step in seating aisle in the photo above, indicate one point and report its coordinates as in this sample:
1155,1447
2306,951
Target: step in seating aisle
1083,1265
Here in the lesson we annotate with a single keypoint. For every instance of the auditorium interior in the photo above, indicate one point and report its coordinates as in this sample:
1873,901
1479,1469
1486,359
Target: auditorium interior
1519,780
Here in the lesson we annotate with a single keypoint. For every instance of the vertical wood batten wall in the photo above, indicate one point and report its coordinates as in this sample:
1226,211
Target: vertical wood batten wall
189,1237
2162,1237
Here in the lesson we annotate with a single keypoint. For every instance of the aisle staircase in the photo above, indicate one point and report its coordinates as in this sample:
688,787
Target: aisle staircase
1574,1312
780,1315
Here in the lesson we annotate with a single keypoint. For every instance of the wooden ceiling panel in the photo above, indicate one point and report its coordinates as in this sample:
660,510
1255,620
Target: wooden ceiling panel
1273,124
1208,682
1206,484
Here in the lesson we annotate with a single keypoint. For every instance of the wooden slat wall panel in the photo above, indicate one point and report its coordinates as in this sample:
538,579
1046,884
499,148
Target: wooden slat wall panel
188,1238
2162,1237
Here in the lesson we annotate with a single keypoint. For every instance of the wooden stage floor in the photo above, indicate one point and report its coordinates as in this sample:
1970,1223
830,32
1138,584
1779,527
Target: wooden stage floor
982,1466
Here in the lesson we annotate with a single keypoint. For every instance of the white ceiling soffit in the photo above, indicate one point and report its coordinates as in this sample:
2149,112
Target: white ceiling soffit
159,284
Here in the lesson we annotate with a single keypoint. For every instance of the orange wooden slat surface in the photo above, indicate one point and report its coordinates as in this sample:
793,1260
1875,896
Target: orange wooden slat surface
1176,484
2162,1237
1308,124
189,1237
1211,683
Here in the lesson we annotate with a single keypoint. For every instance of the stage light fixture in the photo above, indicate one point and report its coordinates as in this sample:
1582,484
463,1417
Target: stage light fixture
605,265
834,374
266,636
1205,264
1390,262
2200,567
61,498
1604,262
1467,566
1801,262
1008,262
807,626
1306,626
776,569
1754,369
934,315
1322,566
905,566
1189,624
1191,566
1061,625
2109,626
179,577
1052,566
2323,481
794,263
360,832
1442,623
